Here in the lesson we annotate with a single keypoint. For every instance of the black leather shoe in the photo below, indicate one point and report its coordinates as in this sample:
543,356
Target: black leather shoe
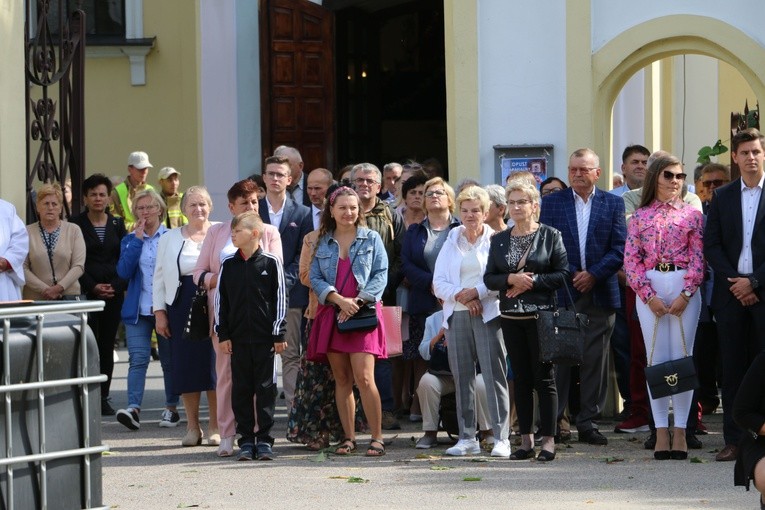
106,408
592,436
662,455
678,455
693,442
521,454
545,456
650,443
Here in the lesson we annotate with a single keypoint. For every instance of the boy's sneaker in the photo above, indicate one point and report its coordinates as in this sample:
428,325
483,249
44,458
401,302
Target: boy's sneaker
129,418
264,451
169,419
245,452
464,447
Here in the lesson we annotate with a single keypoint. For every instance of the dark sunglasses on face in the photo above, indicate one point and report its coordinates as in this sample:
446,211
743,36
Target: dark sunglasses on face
670,176
714,182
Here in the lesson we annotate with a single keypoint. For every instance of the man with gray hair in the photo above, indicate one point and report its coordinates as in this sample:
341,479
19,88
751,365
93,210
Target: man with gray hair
367,180
296,190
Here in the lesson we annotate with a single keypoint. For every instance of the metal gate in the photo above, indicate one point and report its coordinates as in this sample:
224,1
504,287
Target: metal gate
35,460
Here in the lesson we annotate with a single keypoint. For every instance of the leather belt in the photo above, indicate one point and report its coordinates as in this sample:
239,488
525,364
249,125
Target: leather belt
665,267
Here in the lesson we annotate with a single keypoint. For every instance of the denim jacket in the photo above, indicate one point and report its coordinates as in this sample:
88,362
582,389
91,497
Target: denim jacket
370,265
128,268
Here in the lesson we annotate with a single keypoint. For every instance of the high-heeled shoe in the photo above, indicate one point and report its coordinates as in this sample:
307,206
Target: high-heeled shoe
678,455
192,438
662,455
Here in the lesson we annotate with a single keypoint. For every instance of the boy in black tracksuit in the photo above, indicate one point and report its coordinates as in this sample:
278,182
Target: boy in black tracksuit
252,305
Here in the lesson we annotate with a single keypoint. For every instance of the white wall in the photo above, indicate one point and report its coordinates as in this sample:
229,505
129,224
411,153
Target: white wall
628,120
217,19
610,18
522,78
696,124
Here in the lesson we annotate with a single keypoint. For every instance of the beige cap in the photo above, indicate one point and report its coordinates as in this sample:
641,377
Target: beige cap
139,160
167,171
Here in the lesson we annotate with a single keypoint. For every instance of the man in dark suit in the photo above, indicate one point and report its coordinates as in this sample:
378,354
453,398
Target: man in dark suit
734,246
293,221
591,222
298,189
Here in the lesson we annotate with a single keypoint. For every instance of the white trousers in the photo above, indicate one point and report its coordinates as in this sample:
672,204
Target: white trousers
669,345
433,387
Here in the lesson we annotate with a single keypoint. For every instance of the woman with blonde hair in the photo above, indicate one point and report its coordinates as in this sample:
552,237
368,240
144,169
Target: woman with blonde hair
193,366
56,258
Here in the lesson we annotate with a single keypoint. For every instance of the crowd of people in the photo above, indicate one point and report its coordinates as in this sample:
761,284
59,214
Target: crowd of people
310,261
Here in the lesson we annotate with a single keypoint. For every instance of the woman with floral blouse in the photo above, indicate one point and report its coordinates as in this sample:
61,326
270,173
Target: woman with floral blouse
664,263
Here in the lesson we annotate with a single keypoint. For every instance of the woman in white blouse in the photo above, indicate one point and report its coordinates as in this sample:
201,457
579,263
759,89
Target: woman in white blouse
193,361
471,321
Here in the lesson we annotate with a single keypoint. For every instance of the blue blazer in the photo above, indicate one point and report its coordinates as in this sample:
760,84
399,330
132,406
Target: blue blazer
296,223
604,250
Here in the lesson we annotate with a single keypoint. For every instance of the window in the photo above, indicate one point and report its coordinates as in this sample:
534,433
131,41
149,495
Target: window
105,19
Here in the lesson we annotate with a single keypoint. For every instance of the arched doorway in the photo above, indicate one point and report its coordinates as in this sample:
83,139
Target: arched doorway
638,47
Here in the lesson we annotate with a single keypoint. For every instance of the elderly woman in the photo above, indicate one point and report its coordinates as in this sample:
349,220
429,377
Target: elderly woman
138,258
350,270
664,262
242,197
56,258
498,208
193,368
471,321
527,264
420,248
103,234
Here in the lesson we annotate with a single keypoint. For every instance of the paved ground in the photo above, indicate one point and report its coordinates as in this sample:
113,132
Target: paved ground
150,469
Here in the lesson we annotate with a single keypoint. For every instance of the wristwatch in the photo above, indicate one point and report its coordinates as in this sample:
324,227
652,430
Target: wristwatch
753,281
688,294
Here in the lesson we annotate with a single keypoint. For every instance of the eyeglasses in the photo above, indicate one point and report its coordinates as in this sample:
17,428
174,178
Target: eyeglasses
276,175
519,203
715,182
359,181
672,176
581,170
142,208
550,191
435,193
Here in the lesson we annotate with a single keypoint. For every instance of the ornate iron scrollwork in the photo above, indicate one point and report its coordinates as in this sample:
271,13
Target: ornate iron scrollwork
55,128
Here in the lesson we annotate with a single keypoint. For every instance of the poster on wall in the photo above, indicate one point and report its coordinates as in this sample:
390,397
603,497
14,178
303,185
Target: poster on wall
537,166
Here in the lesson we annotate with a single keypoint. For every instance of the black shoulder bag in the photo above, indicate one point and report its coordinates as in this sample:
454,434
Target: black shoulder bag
198,323
674,376
561,333
363,320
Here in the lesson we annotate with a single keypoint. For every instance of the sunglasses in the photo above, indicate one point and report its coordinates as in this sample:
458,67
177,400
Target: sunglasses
671,176
714,182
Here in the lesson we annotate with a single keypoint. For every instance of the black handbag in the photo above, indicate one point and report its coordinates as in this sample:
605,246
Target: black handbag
439,360
561,334
671,377
365,319
198,322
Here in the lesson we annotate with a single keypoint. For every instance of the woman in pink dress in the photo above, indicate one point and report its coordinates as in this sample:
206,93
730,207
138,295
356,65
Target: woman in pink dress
242,197
349,270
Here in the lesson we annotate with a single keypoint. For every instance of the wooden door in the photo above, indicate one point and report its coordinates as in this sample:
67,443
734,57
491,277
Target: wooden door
297,85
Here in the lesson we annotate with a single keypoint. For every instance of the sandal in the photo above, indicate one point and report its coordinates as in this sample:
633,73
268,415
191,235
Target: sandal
376,451
317,444
346,447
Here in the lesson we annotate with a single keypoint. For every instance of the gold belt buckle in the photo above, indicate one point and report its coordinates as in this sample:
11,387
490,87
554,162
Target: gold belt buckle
663,267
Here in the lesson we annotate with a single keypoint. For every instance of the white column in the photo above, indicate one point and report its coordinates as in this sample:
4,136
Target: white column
628,119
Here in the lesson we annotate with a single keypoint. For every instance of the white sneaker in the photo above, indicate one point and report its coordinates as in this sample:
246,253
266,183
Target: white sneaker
501,449
226,448
464,447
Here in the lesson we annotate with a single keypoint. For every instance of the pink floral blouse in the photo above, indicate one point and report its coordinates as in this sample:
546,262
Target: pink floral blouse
664,232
